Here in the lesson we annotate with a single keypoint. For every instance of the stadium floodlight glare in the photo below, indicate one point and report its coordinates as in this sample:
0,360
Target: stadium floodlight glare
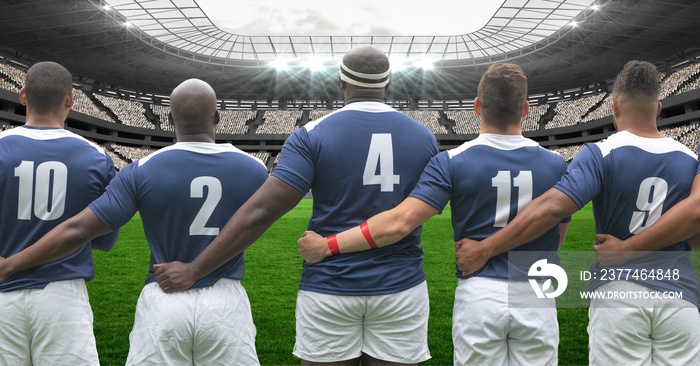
427,63
128,24
595,7
106,7
315,63
573,24
281,63
397,63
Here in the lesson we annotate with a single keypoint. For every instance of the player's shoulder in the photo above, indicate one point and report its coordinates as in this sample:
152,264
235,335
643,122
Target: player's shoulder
626,139
498,142
49,133
203,148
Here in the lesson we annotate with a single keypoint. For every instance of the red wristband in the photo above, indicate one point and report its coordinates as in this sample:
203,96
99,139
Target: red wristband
333,245
368,237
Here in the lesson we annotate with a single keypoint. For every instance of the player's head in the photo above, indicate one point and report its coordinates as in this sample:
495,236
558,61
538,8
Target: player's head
48,89
364,73
502,96
193,109
636,90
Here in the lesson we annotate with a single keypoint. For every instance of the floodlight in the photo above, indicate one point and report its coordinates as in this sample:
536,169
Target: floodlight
573,24
280,63
107,7
427,63
397,63
127,24
315,63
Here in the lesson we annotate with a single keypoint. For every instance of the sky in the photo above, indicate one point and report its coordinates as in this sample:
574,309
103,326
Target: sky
350,17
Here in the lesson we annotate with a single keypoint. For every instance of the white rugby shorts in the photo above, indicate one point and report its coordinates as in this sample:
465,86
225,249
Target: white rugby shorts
488,330
661,332
393,327
49,326
202,326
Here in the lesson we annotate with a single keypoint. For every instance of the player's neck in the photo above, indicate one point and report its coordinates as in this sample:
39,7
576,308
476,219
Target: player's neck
511,130
640,127
354,95
45,120
363,99
195,137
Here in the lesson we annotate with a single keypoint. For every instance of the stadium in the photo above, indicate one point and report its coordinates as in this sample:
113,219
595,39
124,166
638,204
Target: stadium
126,57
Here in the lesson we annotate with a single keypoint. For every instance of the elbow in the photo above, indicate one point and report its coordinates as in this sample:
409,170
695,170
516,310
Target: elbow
397,229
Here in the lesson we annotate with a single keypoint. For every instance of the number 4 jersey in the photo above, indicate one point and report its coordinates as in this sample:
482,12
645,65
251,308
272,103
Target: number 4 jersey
47,175
185,194
632,181
359,161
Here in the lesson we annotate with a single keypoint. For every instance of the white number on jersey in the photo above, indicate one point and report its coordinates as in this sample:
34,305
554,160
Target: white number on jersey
212,199
503,184
47,185
381,152
650,202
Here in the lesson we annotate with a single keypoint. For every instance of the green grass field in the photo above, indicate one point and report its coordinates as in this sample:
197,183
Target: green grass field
273,268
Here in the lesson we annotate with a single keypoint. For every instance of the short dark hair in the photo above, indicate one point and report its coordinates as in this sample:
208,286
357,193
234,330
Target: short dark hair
639,82
502,93
46,86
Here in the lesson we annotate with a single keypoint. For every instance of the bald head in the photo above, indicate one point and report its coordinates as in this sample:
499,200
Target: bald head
193,106
364,74
367,60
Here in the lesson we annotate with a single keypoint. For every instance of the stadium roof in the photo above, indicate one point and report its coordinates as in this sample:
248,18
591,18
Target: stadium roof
183,24
96,45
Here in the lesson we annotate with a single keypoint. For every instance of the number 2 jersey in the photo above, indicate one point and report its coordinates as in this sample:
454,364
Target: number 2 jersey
185,193
359,161
487,180
48,175
632,181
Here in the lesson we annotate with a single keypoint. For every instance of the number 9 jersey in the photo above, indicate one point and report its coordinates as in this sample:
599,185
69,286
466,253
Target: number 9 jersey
359,161
632,181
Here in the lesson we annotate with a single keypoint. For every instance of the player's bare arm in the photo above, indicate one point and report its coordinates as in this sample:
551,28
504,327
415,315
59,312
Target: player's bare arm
63,240
538,216
269,203
383,229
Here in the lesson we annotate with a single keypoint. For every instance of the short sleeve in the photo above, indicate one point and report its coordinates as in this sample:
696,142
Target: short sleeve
434,186
296,165
118,204
583,179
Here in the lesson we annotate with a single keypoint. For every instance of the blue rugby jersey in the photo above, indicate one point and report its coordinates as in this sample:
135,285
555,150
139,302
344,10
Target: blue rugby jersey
487,181
48,175
632,181
359,161
185,194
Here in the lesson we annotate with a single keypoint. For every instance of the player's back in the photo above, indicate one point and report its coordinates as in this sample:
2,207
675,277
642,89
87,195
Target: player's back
487,181
359,161
632,181
642,178
47,175
185,194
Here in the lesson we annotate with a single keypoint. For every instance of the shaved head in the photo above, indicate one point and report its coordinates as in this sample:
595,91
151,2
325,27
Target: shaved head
367,60
364,74
193,104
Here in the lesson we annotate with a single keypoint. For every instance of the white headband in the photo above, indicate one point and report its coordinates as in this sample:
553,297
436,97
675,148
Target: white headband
362,79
